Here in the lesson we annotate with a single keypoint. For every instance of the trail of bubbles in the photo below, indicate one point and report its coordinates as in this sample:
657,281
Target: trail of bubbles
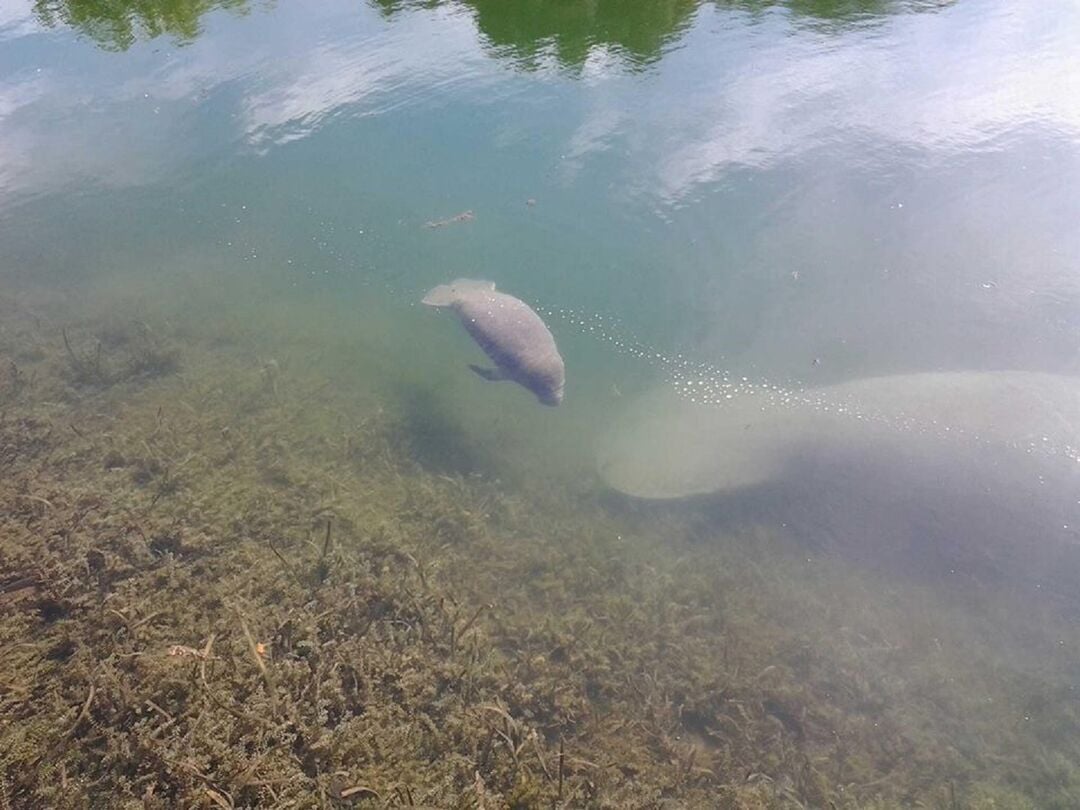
700,382
707,384
329,260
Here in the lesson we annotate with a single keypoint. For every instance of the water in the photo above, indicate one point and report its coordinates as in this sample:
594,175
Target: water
731,202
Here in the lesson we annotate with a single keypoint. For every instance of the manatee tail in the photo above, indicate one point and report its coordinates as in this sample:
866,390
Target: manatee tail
446,294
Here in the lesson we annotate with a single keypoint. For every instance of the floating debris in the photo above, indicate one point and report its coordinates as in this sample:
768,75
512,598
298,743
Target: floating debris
464,216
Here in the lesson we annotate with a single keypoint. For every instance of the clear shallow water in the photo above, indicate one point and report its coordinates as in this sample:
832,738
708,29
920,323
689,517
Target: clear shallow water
898,158
794,192
876,188
798,193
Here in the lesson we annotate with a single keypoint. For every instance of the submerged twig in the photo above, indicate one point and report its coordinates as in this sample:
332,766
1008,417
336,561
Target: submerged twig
85,710
288,566
475,616
267,677
360,790
562,758
322,568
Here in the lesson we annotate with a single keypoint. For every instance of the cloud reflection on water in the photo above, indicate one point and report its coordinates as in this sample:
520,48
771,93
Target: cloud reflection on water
750,85
946,85
419,59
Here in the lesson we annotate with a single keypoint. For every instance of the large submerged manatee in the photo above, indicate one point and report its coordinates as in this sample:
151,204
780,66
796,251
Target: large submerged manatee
973,471
510,333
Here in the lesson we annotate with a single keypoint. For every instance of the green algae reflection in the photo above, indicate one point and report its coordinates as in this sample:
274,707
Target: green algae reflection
531,33
116,25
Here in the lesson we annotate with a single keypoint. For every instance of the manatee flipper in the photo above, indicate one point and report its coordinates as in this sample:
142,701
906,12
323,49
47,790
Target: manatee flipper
489,374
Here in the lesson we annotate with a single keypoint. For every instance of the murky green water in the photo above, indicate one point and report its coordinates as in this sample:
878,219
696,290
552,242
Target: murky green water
725,202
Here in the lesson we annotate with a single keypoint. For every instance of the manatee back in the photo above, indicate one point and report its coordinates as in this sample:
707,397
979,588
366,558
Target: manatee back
448,295
510,333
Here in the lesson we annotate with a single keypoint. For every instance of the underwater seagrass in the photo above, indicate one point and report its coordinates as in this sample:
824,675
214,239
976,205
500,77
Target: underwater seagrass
510,333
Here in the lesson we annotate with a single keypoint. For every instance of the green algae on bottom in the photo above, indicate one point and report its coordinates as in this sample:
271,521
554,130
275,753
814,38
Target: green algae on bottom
222,584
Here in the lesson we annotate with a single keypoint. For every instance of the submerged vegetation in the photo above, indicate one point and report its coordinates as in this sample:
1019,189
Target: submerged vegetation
119,352
222,587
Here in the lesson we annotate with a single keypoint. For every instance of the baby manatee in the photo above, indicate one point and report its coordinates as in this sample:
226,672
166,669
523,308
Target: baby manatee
510,332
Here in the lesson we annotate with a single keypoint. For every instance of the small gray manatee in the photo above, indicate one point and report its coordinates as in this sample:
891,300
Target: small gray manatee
510,333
